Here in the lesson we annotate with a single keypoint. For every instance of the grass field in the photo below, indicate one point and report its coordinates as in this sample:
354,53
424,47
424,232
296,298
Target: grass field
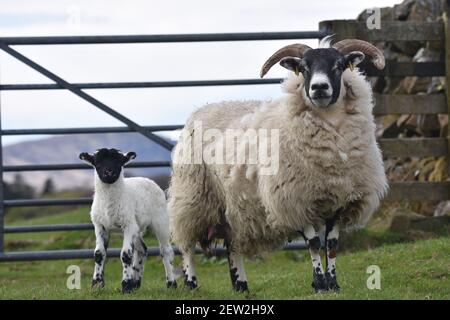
409,270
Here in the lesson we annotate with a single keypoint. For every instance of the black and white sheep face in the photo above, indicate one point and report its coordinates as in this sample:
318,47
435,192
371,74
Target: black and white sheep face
108,163
322,70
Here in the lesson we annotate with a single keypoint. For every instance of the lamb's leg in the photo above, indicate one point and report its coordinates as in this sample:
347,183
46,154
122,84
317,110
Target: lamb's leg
161,229
126,255
237,271
313,241
139,258
331,241
101,245
167,256
190,279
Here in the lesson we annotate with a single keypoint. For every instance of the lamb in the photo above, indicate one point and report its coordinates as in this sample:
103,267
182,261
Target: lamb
328,176
131,205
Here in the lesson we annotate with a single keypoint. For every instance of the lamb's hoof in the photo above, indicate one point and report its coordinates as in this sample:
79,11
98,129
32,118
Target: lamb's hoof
128,286
240,286
191,284
319,283
171,284
137,284
332,283
98,283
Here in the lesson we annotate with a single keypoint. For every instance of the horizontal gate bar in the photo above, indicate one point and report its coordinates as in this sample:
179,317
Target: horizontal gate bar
49,228
153,84
407,190
164,38
410,147
13,132
46,202
76,166
392,69
114,252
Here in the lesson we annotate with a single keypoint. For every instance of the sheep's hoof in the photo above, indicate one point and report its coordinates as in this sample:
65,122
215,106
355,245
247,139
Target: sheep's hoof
319,283
171,284
128,286
98,283
240,286
332,283
191,284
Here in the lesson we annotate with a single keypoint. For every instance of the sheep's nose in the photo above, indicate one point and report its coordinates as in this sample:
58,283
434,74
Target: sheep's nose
320,86
108,173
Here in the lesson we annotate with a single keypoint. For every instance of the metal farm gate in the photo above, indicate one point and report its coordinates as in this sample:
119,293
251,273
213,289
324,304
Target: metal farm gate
385,104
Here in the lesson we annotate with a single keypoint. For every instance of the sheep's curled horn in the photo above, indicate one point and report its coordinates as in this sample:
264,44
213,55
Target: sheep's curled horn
344,46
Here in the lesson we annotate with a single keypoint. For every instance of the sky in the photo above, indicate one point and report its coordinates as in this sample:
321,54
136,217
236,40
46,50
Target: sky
147,62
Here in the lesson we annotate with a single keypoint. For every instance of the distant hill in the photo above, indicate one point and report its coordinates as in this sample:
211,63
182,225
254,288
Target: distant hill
65,149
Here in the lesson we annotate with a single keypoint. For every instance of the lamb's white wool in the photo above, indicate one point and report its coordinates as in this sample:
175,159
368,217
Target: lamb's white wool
132,206
129,203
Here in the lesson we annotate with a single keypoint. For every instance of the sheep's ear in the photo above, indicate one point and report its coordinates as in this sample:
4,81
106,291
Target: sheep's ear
293,64
87,157
129,156
354,58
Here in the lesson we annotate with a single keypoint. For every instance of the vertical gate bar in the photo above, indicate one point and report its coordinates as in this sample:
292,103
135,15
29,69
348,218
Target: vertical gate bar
447,75
2,207
80,93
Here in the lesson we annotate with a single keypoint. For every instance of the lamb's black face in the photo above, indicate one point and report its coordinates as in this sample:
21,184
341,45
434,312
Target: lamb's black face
322,70
108,163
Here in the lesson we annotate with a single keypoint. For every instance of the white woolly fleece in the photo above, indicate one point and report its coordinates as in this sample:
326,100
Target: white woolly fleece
329,159
131,201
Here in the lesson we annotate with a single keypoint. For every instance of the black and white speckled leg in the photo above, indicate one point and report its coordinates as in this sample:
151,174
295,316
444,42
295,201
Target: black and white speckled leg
190,278
237,272
331,239
313,241
139,258
126,255
101,245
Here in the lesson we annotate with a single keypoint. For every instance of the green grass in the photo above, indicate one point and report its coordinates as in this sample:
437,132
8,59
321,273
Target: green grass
409,270
417,270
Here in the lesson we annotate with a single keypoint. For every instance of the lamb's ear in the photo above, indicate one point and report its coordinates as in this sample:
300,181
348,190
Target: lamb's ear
129,156
354,58
292,63
87,157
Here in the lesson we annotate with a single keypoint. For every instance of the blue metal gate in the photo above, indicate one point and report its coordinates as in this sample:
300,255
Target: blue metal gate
131,126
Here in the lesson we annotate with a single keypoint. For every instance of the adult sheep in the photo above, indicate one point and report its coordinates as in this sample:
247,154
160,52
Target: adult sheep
329,175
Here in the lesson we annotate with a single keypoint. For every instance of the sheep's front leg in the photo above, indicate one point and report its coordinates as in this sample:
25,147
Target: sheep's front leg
139,258
237,272
126,255
190,279
331,241
313,241
101,245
